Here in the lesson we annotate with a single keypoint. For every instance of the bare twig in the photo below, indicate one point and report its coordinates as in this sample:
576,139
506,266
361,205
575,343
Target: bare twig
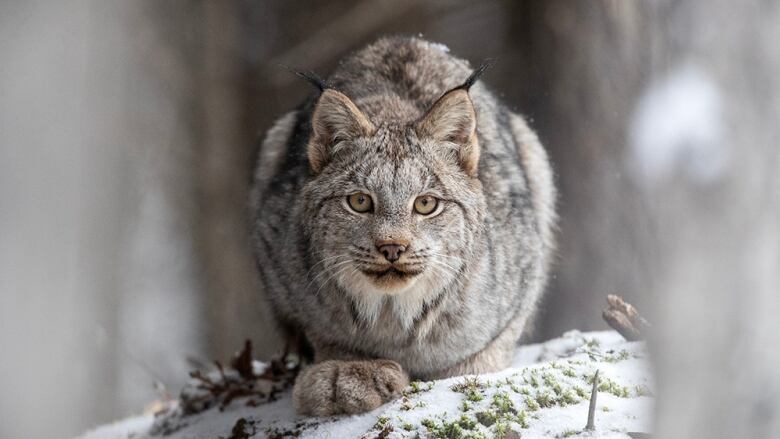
240,380
624,318
591,425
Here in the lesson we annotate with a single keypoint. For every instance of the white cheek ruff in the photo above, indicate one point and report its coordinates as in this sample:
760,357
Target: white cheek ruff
406,302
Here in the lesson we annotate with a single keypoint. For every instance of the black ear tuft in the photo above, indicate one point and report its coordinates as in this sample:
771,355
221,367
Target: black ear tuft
476,74
310,77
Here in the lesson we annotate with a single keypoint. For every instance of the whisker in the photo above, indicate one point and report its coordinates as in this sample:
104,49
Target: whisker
448,269
458,260
339,271
363,251
443,255
344,255
338,264
372,263
443,279
421,254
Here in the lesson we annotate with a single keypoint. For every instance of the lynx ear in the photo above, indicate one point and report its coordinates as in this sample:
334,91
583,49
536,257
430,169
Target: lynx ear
335,119
453,119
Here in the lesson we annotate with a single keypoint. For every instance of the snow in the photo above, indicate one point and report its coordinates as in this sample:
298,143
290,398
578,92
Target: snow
122,429
436,46
553,374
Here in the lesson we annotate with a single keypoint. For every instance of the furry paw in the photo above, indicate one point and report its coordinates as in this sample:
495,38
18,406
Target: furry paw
335,386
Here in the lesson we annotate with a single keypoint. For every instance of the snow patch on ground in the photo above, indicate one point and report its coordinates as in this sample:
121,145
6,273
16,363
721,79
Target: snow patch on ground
127,428
544,394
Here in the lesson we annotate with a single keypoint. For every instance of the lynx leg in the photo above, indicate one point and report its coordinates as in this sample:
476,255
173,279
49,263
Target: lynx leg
494,357
337,386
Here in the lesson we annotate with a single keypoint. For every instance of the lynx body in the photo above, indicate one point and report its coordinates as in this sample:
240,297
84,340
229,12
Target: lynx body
403,224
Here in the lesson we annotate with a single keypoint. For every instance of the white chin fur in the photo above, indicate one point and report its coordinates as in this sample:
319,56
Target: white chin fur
407,299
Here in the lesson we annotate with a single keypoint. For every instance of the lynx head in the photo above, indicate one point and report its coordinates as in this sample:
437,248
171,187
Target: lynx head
392,209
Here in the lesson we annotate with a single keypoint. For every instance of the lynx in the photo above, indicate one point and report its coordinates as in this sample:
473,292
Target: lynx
403,226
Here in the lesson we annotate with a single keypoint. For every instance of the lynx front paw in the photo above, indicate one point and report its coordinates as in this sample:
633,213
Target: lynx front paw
334,386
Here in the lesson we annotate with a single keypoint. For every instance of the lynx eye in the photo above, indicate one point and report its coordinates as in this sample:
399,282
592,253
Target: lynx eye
360,202
425,204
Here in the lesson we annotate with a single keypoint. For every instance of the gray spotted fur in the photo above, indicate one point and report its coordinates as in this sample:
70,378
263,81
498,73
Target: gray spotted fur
486,255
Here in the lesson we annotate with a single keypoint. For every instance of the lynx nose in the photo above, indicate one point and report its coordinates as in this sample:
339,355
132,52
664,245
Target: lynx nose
392,252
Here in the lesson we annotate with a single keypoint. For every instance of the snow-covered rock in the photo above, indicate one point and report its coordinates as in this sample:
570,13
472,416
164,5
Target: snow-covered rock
545,393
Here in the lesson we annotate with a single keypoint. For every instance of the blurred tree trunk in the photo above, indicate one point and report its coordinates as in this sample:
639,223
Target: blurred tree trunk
100,291
717,286
162,311
661,121
61,182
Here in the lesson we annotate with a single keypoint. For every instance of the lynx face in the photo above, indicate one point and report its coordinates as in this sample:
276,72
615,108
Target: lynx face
391,210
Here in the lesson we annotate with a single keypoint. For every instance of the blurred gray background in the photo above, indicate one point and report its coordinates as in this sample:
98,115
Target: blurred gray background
127,136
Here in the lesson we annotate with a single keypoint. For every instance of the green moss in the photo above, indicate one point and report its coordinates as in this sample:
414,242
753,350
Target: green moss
592,343
417,387
503,403
502,429
549,379
407,404
544,399
467,422
567,398
620,356
587,378
408,426
531,404
472,388
524,391
381,422
450,431
428,423
486,418
568,433
461,428
607,385
474,396
522,419
491,406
